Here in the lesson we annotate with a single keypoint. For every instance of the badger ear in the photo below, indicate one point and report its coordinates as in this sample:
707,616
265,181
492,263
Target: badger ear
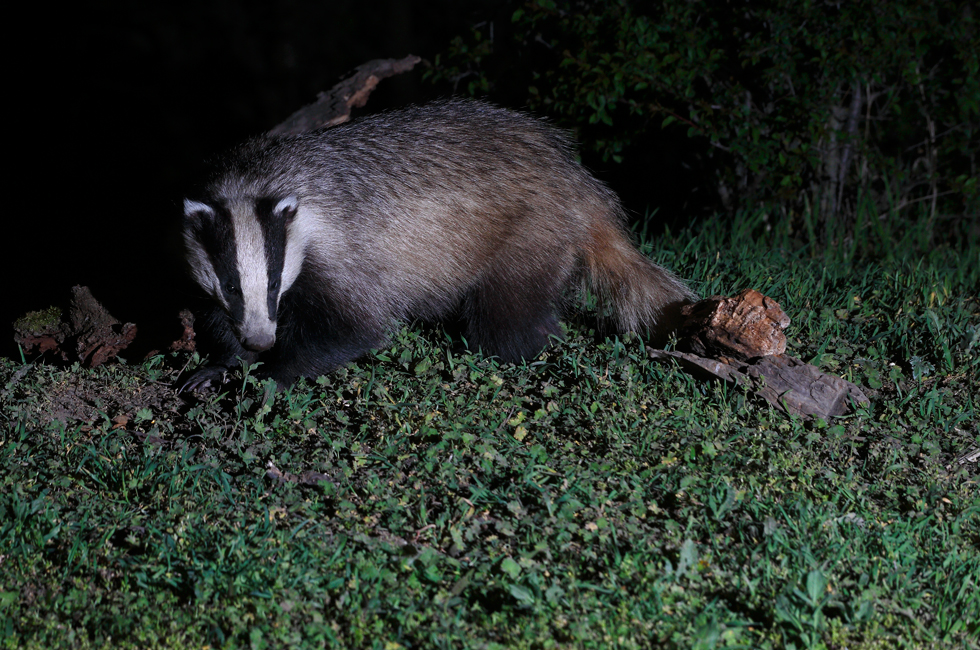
197,210
286,208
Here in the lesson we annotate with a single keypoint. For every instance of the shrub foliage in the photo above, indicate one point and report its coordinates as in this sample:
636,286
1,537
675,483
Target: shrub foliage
812,106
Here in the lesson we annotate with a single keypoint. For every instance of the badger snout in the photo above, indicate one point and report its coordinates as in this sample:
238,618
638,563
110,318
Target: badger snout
257,331
259,341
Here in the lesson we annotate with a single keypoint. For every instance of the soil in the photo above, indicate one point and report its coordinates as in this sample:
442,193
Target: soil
76,395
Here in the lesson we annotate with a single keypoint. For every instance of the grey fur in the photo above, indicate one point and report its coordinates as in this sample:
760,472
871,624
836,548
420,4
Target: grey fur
419,212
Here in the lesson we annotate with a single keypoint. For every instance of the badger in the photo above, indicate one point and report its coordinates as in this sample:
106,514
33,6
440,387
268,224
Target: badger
313,246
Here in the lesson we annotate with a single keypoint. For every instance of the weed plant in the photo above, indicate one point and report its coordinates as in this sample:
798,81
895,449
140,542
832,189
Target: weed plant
428,498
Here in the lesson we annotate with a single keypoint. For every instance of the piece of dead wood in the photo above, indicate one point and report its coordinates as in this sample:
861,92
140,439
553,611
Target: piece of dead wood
98,336
186,342
745,326
740,340
971,457
90,335
333,106
37,332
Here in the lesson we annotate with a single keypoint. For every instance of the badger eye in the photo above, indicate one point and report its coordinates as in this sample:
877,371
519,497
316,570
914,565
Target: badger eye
274,286
230,289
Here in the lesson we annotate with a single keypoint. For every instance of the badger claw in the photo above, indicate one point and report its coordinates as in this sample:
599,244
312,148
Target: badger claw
201,380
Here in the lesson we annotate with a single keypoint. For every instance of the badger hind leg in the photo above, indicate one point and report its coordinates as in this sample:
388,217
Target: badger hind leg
513,316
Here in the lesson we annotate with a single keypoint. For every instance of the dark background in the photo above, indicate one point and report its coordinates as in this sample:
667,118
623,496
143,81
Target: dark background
117,105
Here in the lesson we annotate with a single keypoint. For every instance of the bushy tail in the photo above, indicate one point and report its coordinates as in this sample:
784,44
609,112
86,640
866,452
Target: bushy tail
642,296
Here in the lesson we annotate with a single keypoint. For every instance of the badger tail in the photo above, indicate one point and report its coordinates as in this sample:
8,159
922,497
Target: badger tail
636,294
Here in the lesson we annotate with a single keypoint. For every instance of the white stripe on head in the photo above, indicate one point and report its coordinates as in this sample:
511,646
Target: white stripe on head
198,258
315,233
258,326
297,236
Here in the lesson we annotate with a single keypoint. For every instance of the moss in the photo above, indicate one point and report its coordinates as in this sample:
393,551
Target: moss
36,321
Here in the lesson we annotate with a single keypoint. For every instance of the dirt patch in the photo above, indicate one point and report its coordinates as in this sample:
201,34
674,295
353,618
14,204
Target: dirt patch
78,395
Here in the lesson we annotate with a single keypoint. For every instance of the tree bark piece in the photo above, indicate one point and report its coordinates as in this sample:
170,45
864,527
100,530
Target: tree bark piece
334,106
43,330
186,342
745,326
98,336
740,340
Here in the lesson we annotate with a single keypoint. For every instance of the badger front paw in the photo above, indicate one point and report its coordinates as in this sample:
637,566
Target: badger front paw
203,378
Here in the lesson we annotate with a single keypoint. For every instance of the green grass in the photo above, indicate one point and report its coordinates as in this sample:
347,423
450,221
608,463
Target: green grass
590,498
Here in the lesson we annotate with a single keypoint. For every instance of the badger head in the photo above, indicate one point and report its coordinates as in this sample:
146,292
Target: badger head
241,252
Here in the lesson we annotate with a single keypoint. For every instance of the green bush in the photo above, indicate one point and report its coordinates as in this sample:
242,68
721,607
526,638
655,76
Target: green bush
809,106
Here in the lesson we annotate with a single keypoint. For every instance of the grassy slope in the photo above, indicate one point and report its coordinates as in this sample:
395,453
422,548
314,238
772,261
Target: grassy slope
431,499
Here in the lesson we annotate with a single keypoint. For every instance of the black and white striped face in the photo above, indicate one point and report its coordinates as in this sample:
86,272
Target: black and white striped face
242,253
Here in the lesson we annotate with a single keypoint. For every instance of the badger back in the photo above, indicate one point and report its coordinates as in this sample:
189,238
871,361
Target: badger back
409,208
